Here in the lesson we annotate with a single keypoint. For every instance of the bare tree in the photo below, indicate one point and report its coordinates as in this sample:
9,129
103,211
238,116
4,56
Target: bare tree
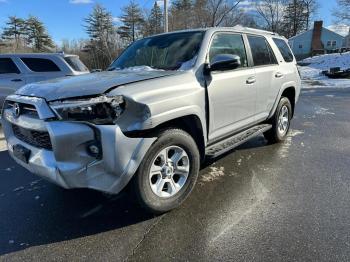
311,7
343,10
220,10
272,13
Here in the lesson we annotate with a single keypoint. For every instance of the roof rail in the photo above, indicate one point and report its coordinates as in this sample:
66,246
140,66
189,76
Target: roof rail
253,30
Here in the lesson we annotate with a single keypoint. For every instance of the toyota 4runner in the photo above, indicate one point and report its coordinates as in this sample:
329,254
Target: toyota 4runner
168,102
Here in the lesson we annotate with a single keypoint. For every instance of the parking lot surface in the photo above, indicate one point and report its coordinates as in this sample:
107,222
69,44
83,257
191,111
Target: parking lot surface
260,202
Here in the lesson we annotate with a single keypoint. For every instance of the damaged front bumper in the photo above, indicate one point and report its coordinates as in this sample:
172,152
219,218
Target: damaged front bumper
65,158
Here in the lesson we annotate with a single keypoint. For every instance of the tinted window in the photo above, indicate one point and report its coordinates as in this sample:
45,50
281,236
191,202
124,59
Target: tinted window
261,51
75,63
228,44
284,49
40,65
7,66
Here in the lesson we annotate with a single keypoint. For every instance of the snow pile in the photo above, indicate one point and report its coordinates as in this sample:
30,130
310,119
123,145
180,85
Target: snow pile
311,74
324,62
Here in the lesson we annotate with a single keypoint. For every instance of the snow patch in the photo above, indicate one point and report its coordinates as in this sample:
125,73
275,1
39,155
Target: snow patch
323,111
214,174
18,189
284,149
311,74
138,69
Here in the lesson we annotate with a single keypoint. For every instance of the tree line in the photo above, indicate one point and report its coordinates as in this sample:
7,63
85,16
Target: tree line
108,37
30,33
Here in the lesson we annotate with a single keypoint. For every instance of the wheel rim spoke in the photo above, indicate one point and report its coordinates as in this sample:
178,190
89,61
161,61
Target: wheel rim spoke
283,120
169,171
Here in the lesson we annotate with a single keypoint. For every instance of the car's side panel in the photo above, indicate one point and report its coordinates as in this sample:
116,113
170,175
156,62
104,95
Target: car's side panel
10,82
162,100
231,101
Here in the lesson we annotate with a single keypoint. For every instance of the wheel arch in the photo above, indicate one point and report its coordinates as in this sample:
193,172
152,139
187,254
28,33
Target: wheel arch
189,123
289,91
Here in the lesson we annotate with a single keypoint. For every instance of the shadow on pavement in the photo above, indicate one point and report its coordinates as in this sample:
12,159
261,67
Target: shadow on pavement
35,212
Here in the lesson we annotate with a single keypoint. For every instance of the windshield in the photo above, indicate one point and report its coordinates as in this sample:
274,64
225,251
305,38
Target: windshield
177,51
76,64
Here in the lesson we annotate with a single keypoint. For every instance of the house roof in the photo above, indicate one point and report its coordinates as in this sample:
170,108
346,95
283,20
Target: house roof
299,34
323,28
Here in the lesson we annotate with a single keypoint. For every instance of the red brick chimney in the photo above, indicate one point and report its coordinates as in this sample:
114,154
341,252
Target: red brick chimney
316,44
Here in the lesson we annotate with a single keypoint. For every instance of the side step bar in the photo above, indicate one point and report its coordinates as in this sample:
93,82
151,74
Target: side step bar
236,140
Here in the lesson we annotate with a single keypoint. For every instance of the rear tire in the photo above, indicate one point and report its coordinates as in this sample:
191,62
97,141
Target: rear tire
280,122
168,172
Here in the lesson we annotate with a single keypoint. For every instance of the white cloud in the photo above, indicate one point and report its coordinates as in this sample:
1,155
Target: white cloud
77,2
340,29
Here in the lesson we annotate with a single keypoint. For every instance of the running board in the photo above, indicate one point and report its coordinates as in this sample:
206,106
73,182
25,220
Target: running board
236,140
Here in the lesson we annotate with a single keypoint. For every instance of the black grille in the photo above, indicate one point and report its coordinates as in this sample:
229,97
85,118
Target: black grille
38,139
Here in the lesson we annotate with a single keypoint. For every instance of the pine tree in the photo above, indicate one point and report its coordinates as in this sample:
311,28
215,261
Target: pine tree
37,35
14,30
132,20
101,30
295,18
181,14
155,19
99,25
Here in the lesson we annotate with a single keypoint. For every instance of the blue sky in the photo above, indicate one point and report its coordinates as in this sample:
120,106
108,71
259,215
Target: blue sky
64,18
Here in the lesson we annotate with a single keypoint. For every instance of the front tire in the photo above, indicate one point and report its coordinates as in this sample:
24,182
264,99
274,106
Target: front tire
280,122
168,172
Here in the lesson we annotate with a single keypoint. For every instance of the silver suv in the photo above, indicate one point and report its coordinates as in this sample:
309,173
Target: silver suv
17,70
165,105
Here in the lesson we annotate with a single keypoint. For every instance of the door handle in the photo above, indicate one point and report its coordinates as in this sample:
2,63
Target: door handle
278,75
16,80
251,80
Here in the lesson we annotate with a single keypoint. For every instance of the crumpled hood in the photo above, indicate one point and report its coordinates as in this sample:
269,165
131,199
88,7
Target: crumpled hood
87,85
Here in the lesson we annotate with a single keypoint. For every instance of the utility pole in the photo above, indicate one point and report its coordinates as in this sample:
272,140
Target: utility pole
165,16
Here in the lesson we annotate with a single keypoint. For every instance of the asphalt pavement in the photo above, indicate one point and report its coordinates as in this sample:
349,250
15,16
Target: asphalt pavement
260,202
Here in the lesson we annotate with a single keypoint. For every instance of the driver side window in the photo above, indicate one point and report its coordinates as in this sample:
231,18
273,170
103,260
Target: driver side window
226,43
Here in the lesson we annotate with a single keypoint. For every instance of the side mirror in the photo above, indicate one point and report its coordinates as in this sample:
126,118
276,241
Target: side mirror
223,62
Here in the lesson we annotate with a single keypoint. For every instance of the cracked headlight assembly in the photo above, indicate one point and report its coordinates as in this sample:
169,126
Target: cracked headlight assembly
100,110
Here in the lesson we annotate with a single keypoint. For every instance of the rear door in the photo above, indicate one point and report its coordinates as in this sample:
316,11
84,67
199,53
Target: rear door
266,72
41,69
10,78
232,93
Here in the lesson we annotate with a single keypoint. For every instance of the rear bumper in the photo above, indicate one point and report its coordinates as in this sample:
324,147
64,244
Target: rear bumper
69,163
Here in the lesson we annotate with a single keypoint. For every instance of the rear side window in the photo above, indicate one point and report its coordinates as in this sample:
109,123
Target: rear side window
7,66
75,63
284,49
40,65
232,44
261,51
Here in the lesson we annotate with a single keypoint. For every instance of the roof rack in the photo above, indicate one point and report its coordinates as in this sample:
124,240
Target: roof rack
253,30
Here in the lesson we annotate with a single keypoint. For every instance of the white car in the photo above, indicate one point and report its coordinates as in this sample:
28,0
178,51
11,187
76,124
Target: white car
17,70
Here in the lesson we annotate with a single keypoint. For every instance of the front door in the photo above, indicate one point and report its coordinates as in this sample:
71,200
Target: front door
232,93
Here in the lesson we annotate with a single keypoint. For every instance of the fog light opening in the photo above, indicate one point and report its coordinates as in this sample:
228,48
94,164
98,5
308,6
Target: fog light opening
94,150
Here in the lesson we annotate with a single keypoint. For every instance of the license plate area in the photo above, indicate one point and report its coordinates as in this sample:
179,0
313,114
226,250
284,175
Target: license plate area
21,152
